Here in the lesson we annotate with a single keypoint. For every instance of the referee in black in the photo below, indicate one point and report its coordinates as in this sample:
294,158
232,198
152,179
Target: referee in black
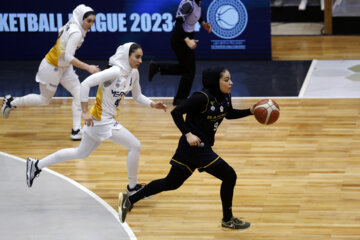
183,44
204,111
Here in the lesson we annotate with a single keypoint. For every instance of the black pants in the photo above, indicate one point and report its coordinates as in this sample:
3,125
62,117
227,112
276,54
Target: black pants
186,67
176,177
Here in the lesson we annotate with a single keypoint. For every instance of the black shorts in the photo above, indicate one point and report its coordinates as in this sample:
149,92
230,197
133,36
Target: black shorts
191,158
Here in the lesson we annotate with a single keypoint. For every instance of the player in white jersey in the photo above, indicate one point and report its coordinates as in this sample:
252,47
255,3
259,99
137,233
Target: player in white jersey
57,67
100,122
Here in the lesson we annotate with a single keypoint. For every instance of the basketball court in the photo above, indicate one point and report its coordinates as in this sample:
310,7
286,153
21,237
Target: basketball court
332,78
56,208
296,179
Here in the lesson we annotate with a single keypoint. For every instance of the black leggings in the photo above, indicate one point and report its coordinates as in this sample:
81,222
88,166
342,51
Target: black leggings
186,67
177,177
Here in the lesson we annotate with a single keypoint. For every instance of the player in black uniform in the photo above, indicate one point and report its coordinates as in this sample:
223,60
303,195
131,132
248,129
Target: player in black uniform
204,111
183,44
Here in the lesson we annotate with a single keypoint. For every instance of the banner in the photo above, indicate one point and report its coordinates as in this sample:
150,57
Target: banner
241,28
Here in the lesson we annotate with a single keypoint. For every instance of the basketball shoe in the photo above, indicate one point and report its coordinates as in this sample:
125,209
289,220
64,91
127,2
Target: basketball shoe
32,171
76,134
139,186
235,223
124,205
131,191
7,107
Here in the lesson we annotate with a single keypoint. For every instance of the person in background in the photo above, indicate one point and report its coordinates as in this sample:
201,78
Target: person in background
205,110
113,84
184,45
57,68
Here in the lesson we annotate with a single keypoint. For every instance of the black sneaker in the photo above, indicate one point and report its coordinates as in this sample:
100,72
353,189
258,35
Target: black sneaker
124,206
76,134
135,189
32,171
7,107
154,68
235,223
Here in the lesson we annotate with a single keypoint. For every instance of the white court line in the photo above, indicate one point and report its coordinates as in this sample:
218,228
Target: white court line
90,193
307,79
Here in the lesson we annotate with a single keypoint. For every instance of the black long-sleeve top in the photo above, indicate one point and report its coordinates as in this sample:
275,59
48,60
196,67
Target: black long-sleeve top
204,114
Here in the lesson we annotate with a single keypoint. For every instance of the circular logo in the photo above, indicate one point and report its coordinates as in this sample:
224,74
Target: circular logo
228,18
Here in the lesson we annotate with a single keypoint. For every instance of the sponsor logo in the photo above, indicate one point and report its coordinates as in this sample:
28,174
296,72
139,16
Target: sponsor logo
228,18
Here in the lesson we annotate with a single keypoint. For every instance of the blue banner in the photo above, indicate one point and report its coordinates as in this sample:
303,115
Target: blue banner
241,28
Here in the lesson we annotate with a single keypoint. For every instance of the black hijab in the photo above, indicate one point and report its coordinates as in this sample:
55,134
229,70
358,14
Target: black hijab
210,80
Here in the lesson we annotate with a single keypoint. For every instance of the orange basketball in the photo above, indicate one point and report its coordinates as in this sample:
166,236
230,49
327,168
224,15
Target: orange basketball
266,111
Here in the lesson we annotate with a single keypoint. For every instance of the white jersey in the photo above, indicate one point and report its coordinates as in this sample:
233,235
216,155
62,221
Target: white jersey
70,38
113,87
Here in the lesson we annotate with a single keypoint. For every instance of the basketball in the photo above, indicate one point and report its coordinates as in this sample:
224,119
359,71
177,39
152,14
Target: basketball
266,111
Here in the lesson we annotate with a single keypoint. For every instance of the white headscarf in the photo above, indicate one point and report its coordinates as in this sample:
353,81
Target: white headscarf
78,15
121,58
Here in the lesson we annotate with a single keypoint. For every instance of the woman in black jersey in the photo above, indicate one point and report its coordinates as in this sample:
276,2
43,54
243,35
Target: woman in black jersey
204,111
183,44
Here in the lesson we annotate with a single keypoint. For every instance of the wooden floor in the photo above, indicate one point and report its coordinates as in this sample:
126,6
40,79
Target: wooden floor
297,179
315,47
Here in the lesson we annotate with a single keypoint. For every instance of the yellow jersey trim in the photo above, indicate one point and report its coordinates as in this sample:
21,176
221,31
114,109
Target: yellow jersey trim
53,55
207,101
210,163
96,109
183,165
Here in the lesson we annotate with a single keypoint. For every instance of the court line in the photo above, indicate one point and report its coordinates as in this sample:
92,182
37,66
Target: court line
307,79
90,193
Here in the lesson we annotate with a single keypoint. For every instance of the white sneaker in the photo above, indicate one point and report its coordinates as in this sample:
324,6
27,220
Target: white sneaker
76,135
6,107
32,171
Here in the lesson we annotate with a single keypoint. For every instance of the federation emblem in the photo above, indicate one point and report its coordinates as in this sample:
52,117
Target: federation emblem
228,18
221,108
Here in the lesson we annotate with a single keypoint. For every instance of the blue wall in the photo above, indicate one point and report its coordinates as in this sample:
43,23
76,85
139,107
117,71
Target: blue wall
28,29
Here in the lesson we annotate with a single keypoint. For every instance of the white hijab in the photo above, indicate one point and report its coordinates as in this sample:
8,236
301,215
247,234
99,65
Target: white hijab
121,58
78,15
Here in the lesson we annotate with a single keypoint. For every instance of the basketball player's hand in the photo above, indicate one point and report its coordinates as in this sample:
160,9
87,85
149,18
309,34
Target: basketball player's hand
93,69
88,118
207,26
252,109
159,105
191,43
193,140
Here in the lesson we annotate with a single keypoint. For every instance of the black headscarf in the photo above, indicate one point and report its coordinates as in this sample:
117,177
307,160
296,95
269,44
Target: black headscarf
210,80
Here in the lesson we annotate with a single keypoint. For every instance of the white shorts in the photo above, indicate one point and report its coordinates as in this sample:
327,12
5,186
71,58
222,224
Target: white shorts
51,76
102,130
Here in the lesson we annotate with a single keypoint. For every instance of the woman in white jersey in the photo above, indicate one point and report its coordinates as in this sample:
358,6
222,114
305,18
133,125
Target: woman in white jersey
100,123
57,67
